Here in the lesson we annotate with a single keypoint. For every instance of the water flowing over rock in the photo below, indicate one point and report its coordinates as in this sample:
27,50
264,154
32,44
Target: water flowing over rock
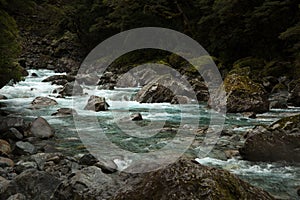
65,112
39,102
277,142
41,128
97,104
188,180
244,95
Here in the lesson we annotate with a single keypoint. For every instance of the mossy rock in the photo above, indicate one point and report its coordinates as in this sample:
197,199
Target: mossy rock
185,179
277,69
280,87
236,82
287,123
243,71
253,63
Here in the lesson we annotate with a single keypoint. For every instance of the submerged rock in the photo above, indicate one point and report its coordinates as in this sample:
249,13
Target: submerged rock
187,180
97,104
41,128
65,112
277,142
39,102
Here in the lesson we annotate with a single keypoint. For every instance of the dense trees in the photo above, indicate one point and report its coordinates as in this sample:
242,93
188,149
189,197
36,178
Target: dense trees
230,30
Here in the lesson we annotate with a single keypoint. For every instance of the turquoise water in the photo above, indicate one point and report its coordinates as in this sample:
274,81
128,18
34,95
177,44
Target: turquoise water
159,127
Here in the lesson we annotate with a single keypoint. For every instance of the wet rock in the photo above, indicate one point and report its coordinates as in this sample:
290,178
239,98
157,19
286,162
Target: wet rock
277,142
39,102
187,180
13,134
24,148
294,97
97,104
231,153
41,128
34,75
180,100
88,159
136,117
107,81
71,89
2,97
17,196
65,112
33,184
4,147
68,78
162,89
59,82
244,95
88,183
107,166
6,162
87,79
42,158
11,122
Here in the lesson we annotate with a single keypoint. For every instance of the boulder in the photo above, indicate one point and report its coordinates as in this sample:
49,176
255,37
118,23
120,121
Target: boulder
6,162
96,103
136,117
2,97
33,184
187,179
107,81
68,78
24,148
163,89
244,95
277,142
39,102
294,97
71,89
88,183
65,112
41,128
11,122
87,79
13,134
5,147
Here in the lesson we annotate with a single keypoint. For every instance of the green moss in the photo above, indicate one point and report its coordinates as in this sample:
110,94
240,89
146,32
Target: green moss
235,82
287,123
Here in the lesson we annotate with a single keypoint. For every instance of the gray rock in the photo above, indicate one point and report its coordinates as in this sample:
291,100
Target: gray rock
13,134
39,102
33,184
11,122
41,128
41,158
136,117
71,89
68,78
96,103
6,162
23,148
88,183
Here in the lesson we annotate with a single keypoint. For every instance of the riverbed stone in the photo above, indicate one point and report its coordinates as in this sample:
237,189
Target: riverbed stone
17,196
97,104
13,134
185,179
5,147
39,102
11,122
71,89
136,117
6,162
2,97
24,148
278,142
41,128
64,112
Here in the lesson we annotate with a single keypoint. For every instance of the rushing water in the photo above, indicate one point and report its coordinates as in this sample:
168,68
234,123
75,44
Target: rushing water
278,178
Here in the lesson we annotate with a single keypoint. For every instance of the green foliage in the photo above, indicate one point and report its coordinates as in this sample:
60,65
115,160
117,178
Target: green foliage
9,49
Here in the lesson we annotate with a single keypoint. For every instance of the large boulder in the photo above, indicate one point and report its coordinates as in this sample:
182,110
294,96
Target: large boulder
39,102
97,104
33,184
277,142
294,97
244,95
55,78
88,183
188,180
71,89
163,89
41,128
